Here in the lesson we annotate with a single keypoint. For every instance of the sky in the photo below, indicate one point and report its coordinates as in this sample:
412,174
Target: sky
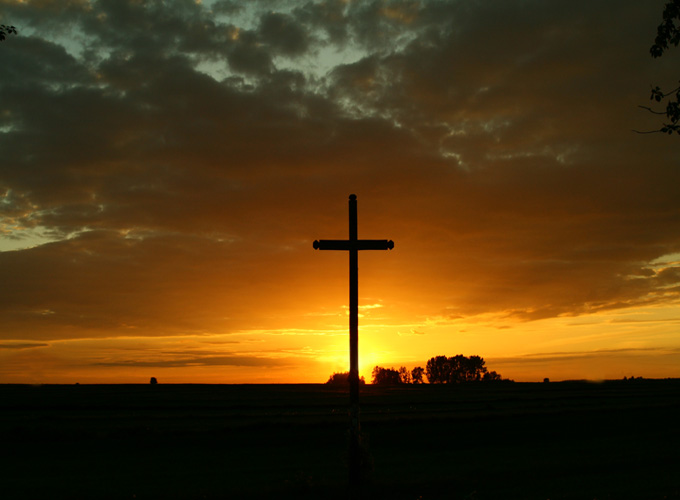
166,165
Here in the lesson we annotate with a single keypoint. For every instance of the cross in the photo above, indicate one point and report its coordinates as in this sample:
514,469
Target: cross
353,245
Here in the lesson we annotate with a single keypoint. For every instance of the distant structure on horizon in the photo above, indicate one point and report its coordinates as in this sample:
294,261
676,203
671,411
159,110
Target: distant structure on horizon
153,381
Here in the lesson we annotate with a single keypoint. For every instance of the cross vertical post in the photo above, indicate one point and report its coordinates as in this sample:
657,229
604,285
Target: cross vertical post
353,316
353,245
354,429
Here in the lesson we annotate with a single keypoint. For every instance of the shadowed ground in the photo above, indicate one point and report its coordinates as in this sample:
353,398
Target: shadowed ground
616,440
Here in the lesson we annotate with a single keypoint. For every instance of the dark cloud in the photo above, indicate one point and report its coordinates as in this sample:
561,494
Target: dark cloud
329,17
26,345
597,359
235,360
247,56
283,34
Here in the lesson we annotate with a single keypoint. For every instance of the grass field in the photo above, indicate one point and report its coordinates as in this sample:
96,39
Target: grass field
568,440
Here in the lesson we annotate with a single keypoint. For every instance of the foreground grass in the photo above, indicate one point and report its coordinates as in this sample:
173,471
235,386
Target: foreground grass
535,441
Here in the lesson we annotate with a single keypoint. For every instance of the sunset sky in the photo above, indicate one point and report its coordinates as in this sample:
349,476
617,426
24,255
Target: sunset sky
166,166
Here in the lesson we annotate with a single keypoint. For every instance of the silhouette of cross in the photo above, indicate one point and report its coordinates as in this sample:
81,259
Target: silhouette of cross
353,245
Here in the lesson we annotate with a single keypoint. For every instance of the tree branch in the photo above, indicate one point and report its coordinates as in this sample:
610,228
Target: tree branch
652,111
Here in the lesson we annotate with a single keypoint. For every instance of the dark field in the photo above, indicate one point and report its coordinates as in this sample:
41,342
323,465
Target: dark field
615,440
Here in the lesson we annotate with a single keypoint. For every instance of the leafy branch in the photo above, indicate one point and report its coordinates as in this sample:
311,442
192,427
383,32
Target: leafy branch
667,32
6,30
672,111
667,35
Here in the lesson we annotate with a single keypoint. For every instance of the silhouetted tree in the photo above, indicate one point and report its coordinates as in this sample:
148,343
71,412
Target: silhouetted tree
6,30
386,376
153,381
437,370
417,375
463,369
492,377
474,369
667,34
342,378
456,369
404,375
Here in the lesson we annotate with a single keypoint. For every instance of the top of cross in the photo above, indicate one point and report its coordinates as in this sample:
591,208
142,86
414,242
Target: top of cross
353,243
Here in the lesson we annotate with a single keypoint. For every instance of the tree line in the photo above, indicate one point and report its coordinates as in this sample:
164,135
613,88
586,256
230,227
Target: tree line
457,369
438,370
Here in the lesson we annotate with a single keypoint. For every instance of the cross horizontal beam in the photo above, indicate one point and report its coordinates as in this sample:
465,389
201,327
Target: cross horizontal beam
353,245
